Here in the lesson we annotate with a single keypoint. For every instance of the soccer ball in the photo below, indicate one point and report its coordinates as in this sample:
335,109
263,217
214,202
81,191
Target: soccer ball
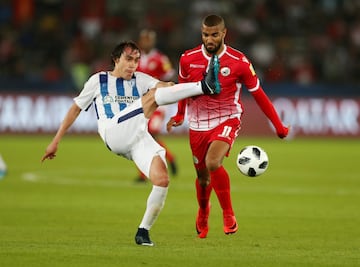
252,161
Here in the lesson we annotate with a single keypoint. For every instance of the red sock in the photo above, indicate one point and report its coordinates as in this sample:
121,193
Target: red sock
203,194
221,184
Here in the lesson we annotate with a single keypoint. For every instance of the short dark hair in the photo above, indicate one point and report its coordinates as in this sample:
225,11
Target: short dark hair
213,20
119,49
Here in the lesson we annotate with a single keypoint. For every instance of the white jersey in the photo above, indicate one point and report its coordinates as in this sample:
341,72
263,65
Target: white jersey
111,95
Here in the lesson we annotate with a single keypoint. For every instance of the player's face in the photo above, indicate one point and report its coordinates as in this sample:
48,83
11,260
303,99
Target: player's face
213,38
127,64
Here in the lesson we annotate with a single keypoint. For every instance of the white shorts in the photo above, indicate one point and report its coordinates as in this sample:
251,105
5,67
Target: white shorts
127,135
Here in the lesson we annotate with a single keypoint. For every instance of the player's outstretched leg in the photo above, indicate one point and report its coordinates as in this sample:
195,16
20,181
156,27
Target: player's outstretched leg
210,84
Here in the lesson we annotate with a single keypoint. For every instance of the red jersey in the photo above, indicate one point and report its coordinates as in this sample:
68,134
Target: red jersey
206,112
156,64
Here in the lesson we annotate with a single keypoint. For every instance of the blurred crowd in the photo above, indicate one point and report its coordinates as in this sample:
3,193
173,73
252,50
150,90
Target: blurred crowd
57,44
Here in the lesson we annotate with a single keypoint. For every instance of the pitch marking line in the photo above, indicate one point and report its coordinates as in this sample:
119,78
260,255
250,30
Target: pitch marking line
36,178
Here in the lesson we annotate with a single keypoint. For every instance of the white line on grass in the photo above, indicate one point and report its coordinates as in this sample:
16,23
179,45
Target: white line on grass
284,190
35,178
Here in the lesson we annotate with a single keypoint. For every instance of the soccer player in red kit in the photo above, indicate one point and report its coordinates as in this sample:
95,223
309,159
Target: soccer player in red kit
158,65
214,121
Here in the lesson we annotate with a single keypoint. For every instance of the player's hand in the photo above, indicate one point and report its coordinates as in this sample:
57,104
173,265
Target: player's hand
50,152
283,132
174,121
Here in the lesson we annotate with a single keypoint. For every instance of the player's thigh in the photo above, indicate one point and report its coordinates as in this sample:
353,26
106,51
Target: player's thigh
122,134
222,138
121,139
199,144
144,151
216,152
212,145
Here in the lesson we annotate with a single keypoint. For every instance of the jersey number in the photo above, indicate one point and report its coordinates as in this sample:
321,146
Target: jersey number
226,131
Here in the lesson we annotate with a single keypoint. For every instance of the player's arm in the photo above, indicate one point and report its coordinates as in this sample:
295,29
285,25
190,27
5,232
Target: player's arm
268,108
253,84
69,119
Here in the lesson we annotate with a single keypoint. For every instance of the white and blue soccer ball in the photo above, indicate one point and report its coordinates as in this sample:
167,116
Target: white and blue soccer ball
252,161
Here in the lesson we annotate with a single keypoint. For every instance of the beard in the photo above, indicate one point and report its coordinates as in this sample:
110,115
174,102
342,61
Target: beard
213,49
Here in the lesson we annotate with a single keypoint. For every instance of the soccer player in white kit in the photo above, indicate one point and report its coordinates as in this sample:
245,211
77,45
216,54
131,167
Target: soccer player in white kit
124,100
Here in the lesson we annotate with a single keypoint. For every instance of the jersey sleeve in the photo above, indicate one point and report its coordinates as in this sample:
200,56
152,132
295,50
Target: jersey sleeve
145,82
87,94
249,77
183,75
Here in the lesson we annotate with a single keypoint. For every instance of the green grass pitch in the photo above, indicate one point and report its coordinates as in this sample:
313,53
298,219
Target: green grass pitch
83,208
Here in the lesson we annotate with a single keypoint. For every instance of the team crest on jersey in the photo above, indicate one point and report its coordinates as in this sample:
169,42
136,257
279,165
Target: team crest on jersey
108,99
225,71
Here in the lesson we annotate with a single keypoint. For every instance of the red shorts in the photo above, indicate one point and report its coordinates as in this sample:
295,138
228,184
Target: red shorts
201,140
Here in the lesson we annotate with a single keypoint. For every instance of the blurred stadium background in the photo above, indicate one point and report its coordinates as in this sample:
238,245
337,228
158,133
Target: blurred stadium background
307,54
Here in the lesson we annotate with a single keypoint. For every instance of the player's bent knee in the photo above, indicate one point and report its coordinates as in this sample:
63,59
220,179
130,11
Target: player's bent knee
162,180
158,172
212,164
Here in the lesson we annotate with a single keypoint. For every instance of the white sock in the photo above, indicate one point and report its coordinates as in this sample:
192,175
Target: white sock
172,94
155,203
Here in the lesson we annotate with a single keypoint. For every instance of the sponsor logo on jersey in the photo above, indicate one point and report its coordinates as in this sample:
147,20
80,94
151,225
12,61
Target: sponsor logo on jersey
197,66
119,99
